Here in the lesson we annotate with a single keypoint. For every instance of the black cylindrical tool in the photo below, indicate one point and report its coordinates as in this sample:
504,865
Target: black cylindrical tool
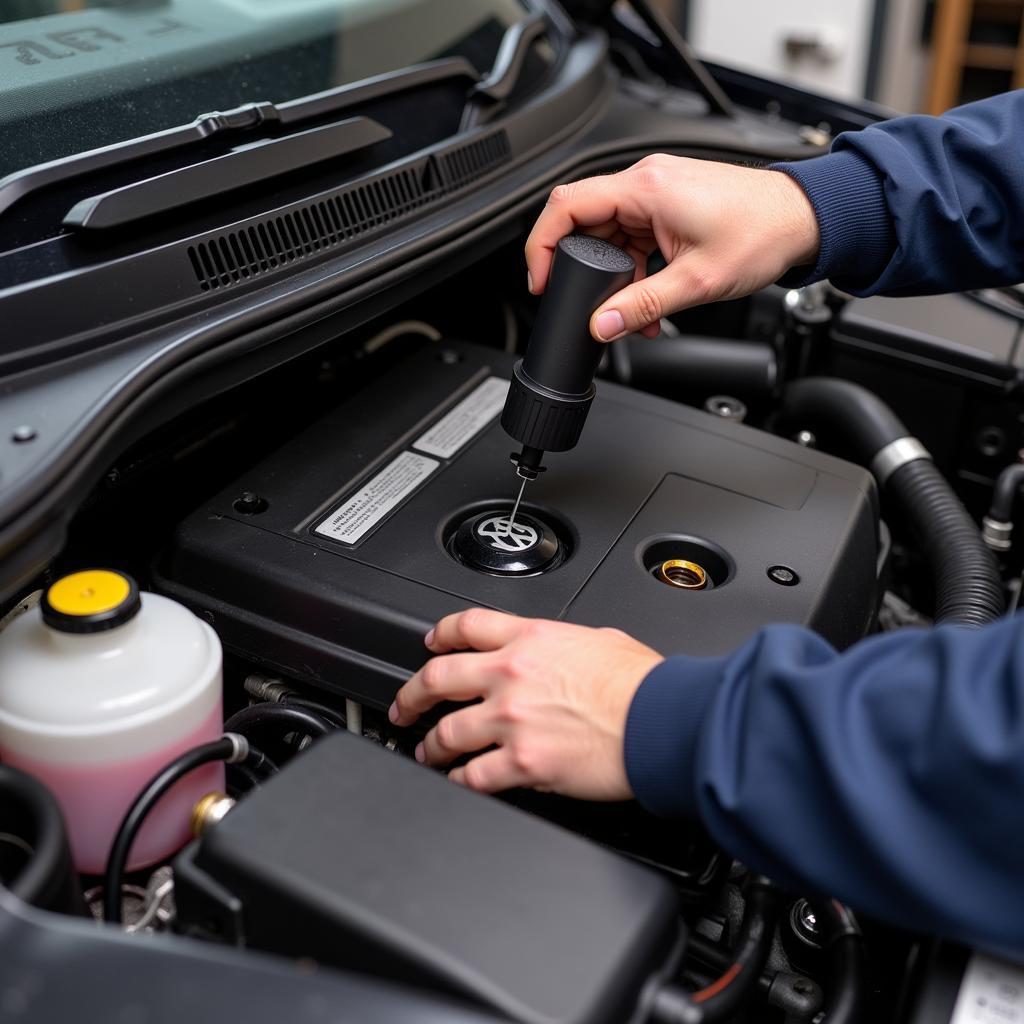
553,385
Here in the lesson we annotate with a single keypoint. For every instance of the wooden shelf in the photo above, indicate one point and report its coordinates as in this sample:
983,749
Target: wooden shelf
995,9
990,55
953,51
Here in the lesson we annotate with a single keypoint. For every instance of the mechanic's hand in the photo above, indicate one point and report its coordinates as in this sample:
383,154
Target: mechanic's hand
725,231
554,703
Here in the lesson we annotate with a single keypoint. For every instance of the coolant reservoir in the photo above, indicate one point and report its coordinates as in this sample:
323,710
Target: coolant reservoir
100,687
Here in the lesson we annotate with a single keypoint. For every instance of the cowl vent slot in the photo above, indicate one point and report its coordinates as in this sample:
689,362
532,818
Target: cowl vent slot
467,163
351,212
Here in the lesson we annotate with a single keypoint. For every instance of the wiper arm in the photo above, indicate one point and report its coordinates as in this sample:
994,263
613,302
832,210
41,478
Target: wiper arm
496,87
16,186
245,165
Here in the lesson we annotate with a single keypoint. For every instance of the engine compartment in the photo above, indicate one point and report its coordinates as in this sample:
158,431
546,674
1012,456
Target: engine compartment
329,562
250,453
311,516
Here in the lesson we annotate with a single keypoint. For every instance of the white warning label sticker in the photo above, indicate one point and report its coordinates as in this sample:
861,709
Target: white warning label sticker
375,499
466,420
992,992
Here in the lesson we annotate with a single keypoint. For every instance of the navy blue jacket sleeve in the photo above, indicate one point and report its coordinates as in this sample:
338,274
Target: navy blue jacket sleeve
918,205
890,776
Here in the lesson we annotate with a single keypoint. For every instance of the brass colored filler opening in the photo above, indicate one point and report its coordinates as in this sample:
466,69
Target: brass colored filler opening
678,572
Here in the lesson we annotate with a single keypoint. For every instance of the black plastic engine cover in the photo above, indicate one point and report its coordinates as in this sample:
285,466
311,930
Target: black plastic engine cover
361,858
647,475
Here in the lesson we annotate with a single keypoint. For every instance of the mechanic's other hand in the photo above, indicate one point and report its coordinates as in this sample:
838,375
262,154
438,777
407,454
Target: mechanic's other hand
554,702
725,231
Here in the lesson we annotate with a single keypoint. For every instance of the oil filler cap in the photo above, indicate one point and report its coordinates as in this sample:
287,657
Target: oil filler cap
91,601
488,543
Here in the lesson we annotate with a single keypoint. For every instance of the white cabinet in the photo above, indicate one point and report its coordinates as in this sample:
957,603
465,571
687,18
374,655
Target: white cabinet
821,44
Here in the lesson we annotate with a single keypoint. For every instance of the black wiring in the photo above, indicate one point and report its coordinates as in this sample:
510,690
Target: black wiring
330,714
223,749
260,718
723,998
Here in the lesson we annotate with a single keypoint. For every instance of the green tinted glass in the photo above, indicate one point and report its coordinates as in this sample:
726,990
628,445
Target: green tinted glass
78,74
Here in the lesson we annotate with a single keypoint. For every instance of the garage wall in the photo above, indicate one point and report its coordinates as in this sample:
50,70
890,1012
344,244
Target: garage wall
822,44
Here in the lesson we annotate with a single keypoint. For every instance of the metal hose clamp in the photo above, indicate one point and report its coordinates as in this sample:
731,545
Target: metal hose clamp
895,455
997,534
241,748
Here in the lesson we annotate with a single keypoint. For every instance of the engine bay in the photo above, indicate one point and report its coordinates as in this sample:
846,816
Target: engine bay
264,377
320,518
330,563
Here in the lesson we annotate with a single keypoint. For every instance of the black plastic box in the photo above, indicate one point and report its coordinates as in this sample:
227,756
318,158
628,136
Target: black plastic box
360,858
647,474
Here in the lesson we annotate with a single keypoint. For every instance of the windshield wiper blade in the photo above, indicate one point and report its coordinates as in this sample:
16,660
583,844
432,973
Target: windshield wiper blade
245,165
16,186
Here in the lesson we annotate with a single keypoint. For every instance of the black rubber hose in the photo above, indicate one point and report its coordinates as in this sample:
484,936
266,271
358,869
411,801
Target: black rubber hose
261,717
693,364
859,416
847,995
724,997
799,998
241,780
713,955
256,769
224,749
39,869
968,588
329,714
259,764
1004,494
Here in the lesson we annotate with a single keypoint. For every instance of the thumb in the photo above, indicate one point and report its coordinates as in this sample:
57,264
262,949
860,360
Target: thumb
643,303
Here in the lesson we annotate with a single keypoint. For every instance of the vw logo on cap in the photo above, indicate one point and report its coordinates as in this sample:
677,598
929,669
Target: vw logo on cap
504,536
489,543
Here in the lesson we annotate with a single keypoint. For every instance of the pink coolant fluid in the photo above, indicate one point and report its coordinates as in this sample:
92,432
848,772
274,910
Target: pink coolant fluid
95,798
101,688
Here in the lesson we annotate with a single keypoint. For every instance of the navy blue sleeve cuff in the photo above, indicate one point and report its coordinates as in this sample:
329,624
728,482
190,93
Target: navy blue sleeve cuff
663,730
858,237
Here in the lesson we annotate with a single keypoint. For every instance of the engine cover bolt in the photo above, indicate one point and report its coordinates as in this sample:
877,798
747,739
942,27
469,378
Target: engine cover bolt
727,407
249,503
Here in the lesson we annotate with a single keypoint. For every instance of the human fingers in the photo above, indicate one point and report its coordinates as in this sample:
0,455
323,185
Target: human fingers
490,772
460,732
610,231
640,256
578,204
643,303
481,629
457,677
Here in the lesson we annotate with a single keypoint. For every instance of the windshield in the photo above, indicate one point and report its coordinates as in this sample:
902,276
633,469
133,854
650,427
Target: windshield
79,74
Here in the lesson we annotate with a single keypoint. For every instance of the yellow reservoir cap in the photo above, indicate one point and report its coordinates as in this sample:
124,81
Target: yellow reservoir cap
90,601
89,592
